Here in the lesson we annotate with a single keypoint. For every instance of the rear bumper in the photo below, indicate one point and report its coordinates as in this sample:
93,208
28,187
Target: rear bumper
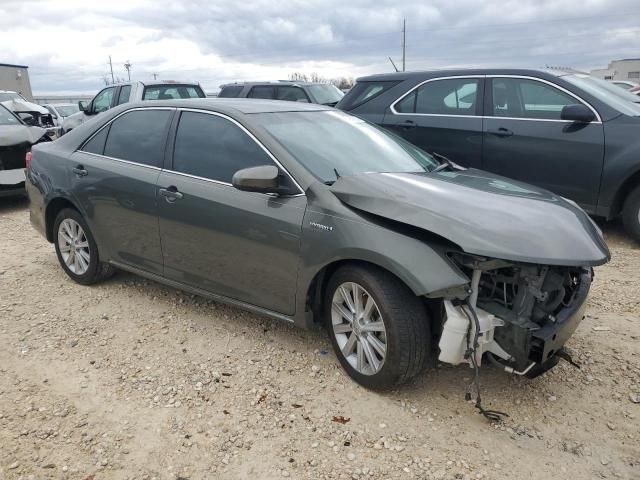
37,208
12,182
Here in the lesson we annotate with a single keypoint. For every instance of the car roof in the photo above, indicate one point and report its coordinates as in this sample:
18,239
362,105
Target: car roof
279,82
234,105
60,104
558,72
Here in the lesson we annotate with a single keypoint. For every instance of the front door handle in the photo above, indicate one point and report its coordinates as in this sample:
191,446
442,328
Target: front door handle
501,132
170,193
80,171
407,124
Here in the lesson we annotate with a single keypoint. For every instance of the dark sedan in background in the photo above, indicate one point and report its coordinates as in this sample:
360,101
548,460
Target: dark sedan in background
567,132
305,213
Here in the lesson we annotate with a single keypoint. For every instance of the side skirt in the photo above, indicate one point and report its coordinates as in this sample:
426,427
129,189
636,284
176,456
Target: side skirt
203,293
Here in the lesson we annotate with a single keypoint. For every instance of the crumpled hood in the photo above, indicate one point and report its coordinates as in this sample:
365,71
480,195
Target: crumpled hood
484,214
16,134
24,106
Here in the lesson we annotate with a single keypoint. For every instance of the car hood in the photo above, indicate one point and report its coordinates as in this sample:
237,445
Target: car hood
24,106
484,214
17,134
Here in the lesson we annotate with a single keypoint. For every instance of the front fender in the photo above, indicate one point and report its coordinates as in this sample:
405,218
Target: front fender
326,239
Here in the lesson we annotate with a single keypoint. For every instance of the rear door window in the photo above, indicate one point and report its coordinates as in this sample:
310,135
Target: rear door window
292,94
363,92
231,91
454,96
139,136
125,93
262,91
171,92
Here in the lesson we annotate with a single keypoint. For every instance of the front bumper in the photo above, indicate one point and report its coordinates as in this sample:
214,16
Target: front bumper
549,340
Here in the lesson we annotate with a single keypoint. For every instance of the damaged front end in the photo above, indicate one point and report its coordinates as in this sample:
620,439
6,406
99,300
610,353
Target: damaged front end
523,314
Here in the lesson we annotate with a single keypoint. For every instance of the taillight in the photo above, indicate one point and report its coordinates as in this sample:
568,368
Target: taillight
27,160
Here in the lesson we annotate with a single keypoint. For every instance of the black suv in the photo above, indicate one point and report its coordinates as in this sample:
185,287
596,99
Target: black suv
306,92
568,132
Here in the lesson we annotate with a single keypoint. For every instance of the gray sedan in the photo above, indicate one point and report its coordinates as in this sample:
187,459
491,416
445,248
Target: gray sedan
310,215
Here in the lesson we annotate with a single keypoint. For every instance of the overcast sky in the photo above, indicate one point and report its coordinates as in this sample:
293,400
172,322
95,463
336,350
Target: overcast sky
67,43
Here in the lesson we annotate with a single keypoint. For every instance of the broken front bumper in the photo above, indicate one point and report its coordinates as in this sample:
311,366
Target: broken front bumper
549,339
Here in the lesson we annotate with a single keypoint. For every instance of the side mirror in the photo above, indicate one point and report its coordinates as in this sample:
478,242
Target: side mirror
83,106
263,179
577,113
27,118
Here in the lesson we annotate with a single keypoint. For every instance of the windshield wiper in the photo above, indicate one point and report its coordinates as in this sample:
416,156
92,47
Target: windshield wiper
330,104
446,162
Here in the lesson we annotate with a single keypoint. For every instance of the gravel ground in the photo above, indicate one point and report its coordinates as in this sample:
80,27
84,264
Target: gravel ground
133,380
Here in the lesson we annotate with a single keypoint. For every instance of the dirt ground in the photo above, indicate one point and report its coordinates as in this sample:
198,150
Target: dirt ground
133,380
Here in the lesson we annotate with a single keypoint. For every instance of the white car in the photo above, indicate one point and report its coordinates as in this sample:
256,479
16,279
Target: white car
30,113
131,92
60,112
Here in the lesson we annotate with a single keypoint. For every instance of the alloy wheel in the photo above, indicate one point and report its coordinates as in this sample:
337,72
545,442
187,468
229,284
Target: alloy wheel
359,328
74,246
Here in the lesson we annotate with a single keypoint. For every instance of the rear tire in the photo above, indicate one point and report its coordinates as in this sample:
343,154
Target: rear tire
396,320
631,214
77,250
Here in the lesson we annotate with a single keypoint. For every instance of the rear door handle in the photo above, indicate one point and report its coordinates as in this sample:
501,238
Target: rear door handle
80,171
501,132
170,193
407,124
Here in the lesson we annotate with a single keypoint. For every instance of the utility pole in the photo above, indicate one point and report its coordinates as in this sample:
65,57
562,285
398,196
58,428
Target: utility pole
128,67
111,67
404,42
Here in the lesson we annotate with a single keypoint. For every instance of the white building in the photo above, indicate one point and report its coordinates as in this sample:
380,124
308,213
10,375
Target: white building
626,69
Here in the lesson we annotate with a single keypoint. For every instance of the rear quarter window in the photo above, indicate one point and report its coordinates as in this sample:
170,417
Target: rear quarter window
362,92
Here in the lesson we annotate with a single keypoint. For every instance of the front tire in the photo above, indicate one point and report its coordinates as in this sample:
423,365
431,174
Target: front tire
379,329
631,214
77,250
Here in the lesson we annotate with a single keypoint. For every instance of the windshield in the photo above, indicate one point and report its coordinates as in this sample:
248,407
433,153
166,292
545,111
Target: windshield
7,96
170,92
607,92
7,118
332,143
66,110
325,94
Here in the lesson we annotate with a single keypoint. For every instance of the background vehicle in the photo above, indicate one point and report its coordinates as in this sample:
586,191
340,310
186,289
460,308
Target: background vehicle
16,139
60,112
305,92
302,211
564,131
114,95
625,84
33,113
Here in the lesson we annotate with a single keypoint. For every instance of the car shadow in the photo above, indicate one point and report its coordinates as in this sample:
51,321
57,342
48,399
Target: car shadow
13,203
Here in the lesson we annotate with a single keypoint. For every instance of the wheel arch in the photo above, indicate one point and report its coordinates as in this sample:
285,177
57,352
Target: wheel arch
316,288
625,188
54,207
